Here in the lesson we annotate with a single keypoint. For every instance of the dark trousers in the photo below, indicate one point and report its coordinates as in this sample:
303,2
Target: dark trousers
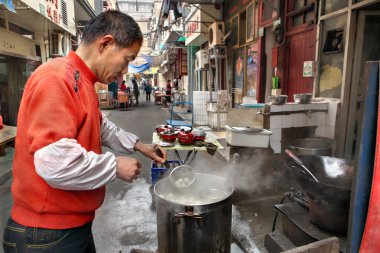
22,239
137,98
169,99
148,96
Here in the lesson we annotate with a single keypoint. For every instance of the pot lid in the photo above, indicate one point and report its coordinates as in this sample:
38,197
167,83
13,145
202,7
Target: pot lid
185,128
199,131
169,132
247,129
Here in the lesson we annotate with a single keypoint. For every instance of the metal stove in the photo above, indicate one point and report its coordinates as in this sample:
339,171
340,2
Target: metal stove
297,229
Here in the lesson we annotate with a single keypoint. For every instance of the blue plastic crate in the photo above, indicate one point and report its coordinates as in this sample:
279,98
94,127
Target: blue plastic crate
158,173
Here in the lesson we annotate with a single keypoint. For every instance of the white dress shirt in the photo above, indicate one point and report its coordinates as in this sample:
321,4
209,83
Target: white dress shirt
66,165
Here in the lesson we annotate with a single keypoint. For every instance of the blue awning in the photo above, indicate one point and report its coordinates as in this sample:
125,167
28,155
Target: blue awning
8,5
137,69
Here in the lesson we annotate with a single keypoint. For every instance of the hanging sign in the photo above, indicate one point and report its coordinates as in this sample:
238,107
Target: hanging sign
53,12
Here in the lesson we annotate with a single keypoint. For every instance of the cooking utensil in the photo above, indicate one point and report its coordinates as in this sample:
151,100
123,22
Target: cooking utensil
185,137
183,218
330,197
311,146
185,128
182,176
302,98
169,135
160,154
199,134
300,163
278,100
161,128
248,129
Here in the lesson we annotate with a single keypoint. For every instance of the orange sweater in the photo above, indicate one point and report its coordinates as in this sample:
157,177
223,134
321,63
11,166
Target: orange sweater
55,106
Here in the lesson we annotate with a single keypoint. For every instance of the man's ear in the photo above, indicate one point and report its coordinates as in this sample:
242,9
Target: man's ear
105,42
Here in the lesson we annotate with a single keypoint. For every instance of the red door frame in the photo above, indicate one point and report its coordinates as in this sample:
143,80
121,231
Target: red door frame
300,84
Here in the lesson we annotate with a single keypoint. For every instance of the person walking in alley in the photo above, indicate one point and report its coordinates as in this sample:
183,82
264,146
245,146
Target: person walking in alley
168,90
59,170
136,91
148,91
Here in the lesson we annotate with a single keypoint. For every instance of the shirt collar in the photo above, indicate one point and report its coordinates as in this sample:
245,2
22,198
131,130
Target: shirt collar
86,72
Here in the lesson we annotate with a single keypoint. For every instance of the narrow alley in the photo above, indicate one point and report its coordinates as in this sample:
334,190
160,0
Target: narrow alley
274,104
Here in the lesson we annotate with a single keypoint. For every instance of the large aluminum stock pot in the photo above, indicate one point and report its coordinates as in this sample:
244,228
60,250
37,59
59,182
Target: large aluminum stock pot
194,219
322,147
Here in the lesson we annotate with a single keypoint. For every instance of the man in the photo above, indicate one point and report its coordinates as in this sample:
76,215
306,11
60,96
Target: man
148,91
59,171
136,91
168,90
113,87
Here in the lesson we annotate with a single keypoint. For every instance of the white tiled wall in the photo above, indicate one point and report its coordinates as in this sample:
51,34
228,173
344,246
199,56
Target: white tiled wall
200,99
213,120
327,129
299,119
325,121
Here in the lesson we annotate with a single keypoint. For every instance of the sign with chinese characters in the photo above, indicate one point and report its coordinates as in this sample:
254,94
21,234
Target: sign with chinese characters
196,25
60,12
53,11
193,26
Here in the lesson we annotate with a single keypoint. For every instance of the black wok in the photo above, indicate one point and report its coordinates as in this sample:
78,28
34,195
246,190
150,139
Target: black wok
330,197
334,175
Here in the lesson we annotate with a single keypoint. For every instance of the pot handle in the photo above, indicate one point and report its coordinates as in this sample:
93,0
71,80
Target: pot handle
190,214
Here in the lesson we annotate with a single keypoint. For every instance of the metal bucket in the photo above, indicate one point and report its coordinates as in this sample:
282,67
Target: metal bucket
194,219
322,147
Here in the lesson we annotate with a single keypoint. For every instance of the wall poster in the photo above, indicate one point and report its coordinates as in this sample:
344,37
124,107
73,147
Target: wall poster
238,75
252,70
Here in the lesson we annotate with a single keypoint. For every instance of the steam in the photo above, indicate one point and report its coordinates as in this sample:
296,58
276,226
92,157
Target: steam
253,171
250,171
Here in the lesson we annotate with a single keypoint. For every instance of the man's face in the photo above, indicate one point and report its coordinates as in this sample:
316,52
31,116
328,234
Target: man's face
114,61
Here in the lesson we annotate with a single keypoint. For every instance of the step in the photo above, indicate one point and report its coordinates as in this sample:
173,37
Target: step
276,242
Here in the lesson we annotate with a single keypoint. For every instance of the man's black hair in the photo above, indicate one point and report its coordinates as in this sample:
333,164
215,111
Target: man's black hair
122,27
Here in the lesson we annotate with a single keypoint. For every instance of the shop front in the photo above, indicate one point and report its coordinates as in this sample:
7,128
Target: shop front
242,51
18,60
39,30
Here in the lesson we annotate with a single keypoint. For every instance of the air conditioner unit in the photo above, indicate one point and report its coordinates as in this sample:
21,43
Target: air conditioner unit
56,44
201,59
216,33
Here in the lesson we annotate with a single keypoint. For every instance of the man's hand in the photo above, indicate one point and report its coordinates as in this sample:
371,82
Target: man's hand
127,168
150,151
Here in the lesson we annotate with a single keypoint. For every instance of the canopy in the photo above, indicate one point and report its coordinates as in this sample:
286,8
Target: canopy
137,69
151,71
8,4
154,60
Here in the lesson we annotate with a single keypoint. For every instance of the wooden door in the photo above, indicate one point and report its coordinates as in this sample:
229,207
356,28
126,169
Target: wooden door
301,47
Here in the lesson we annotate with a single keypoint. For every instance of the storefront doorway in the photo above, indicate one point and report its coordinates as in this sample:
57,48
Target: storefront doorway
14,72
367,48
